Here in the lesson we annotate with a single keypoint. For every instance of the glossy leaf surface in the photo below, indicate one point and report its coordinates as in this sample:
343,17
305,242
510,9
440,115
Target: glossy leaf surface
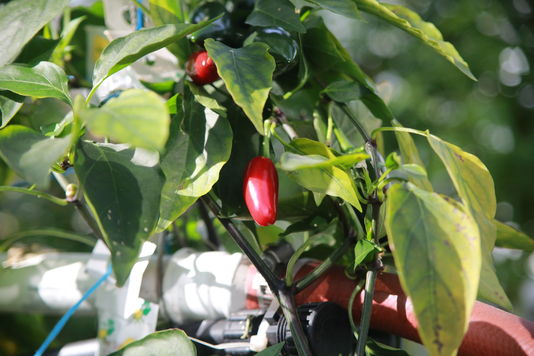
41,81
247,73
198,147
123,188
275,13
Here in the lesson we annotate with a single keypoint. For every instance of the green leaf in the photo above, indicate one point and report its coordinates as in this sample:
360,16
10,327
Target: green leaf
137,117
332,58
509,237
20,20
41,81
38,49
412,23
275,13
123,187
410,172
436,248
31,154
364,252
199,146
346,8
169,342
247,73
330,180
274,350
343,91
474,185
291,161
410,155
66,37
123,51
8,109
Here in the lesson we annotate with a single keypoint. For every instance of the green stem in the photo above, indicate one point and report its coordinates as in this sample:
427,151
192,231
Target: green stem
10,240
35,193
272,280
370,279
294,258
323,267
287,303
80,207
350,305
266,146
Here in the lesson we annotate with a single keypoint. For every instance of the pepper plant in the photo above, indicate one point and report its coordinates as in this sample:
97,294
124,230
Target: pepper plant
284,88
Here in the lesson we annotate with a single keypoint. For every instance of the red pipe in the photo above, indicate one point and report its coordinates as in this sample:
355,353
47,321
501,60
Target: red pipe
492,332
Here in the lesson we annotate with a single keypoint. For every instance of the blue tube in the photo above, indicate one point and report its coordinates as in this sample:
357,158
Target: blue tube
140,19
65,318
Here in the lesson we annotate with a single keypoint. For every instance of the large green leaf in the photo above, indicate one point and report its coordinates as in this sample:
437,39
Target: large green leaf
410,155
332,59
412,23
138,117
123,51
509,237
247,73
170,342
20,20
320,178
41,81
474,185
123,188
346,8
199,146
8,109
31,154
275,13
436,248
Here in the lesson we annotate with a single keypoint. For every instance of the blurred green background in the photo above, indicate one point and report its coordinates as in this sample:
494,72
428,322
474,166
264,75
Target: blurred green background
492,118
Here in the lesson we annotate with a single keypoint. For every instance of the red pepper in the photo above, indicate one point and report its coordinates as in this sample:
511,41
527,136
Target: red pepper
260,189
201,68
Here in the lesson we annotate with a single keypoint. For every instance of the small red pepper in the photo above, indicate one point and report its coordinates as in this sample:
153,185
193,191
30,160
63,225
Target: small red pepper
201,68
260,189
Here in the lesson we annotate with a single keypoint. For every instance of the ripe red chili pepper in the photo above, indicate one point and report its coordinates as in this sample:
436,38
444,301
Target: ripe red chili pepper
201,68
260,189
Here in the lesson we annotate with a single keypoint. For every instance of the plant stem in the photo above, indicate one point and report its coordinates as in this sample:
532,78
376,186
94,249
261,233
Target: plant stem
80,207
213,240
370,279
272,280
318,271
287,303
